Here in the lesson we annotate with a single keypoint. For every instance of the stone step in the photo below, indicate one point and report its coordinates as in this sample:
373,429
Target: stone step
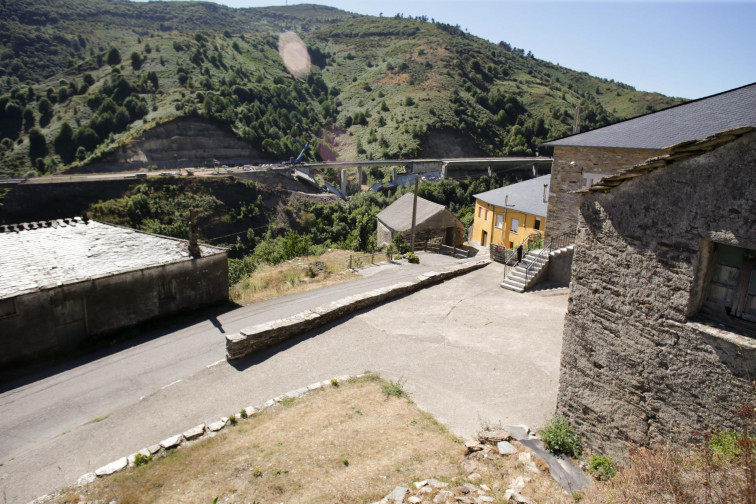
507,284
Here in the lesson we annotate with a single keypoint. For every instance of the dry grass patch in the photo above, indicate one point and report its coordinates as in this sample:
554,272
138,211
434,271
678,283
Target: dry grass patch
298,275
348,444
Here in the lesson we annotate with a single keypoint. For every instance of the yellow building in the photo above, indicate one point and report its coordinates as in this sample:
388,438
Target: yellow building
508,215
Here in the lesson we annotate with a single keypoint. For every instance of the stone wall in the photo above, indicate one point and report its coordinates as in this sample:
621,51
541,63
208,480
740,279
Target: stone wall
637,365
63,317
567,175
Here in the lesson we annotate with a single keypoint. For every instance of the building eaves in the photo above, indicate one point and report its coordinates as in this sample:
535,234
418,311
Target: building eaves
675,153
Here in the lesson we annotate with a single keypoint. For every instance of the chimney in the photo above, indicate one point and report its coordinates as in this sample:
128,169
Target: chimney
544,192
194,249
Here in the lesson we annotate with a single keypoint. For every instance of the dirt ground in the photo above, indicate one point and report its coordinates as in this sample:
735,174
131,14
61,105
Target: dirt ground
350,443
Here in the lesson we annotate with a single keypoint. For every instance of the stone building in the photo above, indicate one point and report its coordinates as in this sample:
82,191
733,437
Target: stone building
659,336
508,215
432,221
582,159
68,280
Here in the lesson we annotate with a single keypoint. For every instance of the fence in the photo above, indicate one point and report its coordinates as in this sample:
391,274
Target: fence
357,261
439,248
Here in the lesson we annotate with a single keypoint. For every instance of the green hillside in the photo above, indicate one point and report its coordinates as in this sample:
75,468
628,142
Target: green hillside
81,78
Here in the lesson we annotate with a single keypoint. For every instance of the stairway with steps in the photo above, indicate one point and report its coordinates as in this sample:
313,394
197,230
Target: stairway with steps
516,280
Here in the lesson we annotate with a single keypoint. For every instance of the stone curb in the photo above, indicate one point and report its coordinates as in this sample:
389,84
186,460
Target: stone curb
197,433
253,339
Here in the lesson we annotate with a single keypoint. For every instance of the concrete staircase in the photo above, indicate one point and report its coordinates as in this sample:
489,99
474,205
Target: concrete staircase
516,280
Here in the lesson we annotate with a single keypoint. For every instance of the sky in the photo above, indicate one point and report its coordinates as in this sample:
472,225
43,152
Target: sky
688,49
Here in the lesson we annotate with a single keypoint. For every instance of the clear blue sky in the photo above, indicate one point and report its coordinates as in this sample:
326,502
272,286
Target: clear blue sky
686,49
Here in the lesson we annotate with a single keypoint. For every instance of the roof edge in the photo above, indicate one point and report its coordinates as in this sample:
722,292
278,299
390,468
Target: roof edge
551,142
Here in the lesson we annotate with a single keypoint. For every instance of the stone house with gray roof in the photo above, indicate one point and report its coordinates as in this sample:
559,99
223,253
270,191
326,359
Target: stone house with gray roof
432,221
660,332
69,280
582,159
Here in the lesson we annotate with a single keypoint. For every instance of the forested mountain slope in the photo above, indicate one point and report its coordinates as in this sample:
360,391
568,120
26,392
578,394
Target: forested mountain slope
81,79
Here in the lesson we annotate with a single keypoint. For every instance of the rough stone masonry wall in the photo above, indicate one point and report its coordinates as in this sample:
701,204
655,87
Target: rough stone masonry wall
564,207
634,366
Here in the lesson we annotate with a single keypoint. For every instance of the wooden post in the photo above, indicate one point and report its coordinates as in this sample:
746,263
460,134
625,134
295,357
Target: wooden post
350,261
414,215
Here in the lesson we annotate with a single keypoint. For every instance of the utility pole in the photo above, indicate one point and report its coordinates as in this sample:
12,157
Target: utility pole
414,215
576,127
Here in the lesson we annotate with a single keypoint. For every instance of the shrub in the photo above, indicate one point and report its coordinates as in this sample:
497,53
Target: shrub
560,438
602,467
140,459
413,259
400,243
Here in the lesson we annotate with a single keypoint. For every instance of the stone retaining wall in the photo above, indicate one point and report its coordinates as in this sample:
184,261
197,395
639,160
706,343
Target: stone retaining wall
261,336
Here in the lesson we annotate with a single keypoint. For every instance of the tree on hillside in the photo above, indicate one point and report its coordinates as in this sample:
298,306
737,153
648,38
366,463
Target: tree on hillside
64,144
37,144
114,57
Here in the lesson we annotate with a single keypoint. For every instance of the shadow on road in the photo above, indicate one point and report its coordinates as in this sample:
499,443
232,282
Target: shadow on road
109,344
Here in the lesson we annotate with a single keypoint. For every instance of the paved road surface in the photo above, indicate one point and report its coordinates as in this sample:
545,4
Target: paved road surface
469,351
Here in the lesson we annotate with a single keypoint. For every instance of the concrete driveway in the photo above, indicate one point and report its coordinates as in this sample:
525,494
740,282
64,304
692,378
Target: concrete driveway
468,351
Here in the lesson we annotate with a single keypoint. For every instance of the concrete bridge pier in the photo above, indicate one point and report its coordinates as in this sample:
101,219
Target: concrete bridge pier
393,174
444,170
344,181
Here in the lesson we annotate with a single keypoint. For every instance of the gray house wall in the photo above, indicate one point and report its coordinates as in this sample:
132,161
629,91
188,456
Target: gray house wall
64,316
637,366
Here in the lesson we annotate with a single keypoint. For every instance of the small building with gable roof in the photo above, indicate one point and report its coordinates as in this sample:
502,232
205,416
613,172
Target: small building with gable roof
432,221
69,280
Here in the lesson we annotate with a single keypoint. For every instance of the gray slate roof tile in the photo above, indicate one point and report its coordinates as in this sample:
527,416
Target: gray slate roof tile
398,215
58,253
526,197
688,121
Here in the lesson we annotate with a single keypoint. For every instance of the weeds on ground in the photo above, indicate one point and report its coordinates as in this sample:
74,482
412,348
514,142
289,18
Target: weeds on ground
140,459
394,388
602,467
560,438
720,467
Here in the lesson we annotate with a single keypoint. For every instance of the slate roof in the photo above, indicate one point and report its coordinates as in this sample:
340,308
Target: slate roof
398,215
526,197
681,123
43,255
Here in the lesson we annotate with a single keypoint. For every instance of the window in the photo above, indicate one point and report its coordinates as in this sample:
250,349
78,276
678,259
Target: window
733,281
537,224
486,215
7,307
480,212
500,221
515,225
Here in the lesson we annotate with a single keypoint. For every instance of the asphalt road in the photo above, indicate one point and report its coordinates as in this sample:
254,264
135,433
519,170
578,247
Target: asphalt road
469,352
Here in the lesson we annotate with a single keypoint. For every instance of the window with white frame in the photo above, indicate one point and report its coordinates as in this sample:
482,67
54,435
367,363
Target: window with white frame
499,221
515,225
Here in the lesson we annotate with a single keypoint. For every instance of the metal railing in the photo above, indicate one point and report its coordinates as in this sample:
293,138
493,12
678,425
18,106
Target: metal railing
555,243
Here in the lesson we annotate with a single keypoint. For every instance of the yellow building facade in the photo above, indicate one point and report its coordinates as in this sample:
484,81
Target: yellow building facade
508,215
